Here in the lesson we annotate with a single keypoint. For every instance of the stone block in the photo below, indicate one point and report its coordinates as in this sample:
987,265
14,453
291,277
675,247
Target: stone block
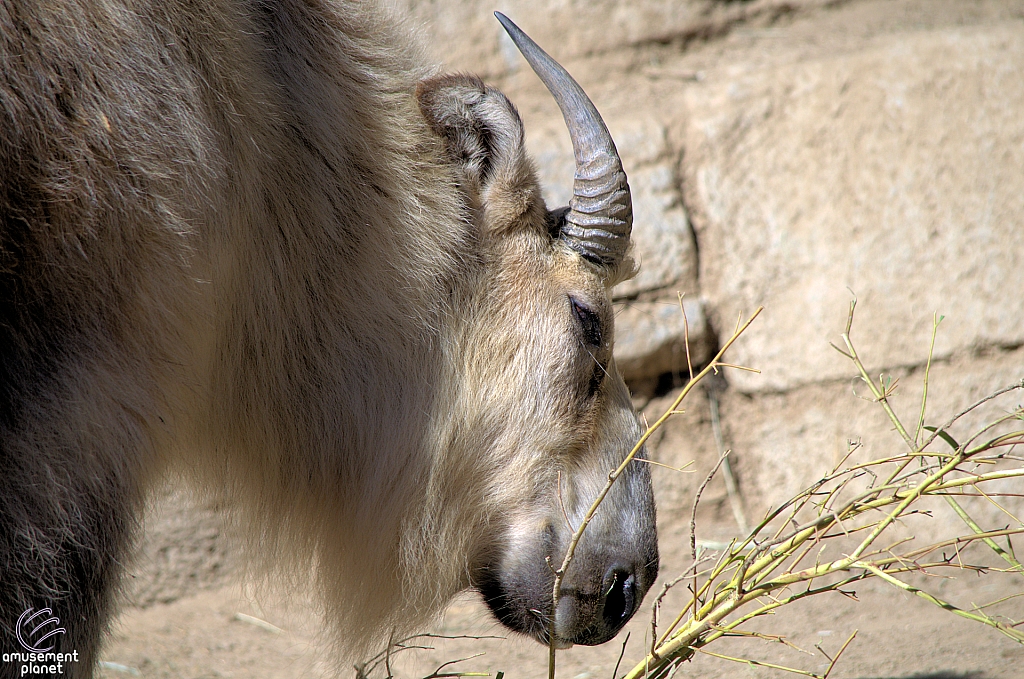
893,171
663,243
783,442
650,338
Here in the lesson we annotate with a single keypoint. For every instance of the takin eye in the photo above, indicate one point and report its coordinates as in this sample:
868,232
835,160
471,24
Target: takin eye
589,322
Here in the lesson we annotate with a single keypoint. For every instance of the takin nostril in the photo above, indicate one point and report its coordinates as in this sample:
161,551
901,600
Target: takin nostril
619,598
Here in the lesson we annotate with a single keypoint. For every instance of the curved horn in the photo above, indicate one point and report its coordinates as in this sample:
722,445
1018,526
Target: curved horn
600,214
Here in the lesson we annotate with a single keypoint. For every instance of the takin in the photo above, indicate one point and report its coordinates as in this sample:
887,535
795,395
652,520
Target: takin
260,246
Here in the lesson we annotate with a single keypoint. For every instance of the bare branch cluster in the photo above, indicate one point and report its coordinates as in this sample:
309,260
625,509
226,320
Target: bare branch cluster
781,560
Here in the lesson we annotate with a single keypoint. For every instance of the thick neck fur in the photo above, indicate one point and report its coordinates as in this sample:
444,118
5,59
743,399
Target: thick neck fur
334,244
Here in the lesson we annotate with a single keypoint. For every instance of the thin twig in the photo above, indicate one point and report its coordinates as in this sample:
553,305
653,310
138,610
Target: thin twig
972,524
973,406
693,522
731,487
686,336
758,663
622,653
834,660
927,369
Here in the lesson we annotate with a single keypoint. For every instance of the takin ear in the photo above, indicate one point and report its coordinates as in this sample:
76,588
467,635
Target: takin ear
483,136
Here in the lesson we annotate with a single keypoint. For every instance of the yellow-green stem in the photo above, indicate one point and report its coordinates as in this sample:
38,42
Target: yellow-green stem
966,518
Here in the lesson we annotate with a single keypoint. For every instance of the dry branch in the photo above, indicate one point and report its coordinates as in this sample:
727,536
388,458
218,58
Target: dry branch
861,502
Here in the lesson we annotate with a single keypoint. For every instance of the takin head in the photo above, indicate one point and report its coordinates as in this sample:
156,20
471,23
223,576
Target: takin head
544,414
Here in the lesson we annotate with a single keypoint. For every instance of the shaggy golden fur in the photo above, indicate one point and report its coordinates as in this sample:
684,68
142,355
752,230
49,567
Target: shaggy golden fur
237,246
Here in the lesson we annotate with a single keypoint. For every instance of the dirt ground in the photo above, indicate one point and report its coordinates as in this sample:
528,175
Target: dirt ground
220,632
